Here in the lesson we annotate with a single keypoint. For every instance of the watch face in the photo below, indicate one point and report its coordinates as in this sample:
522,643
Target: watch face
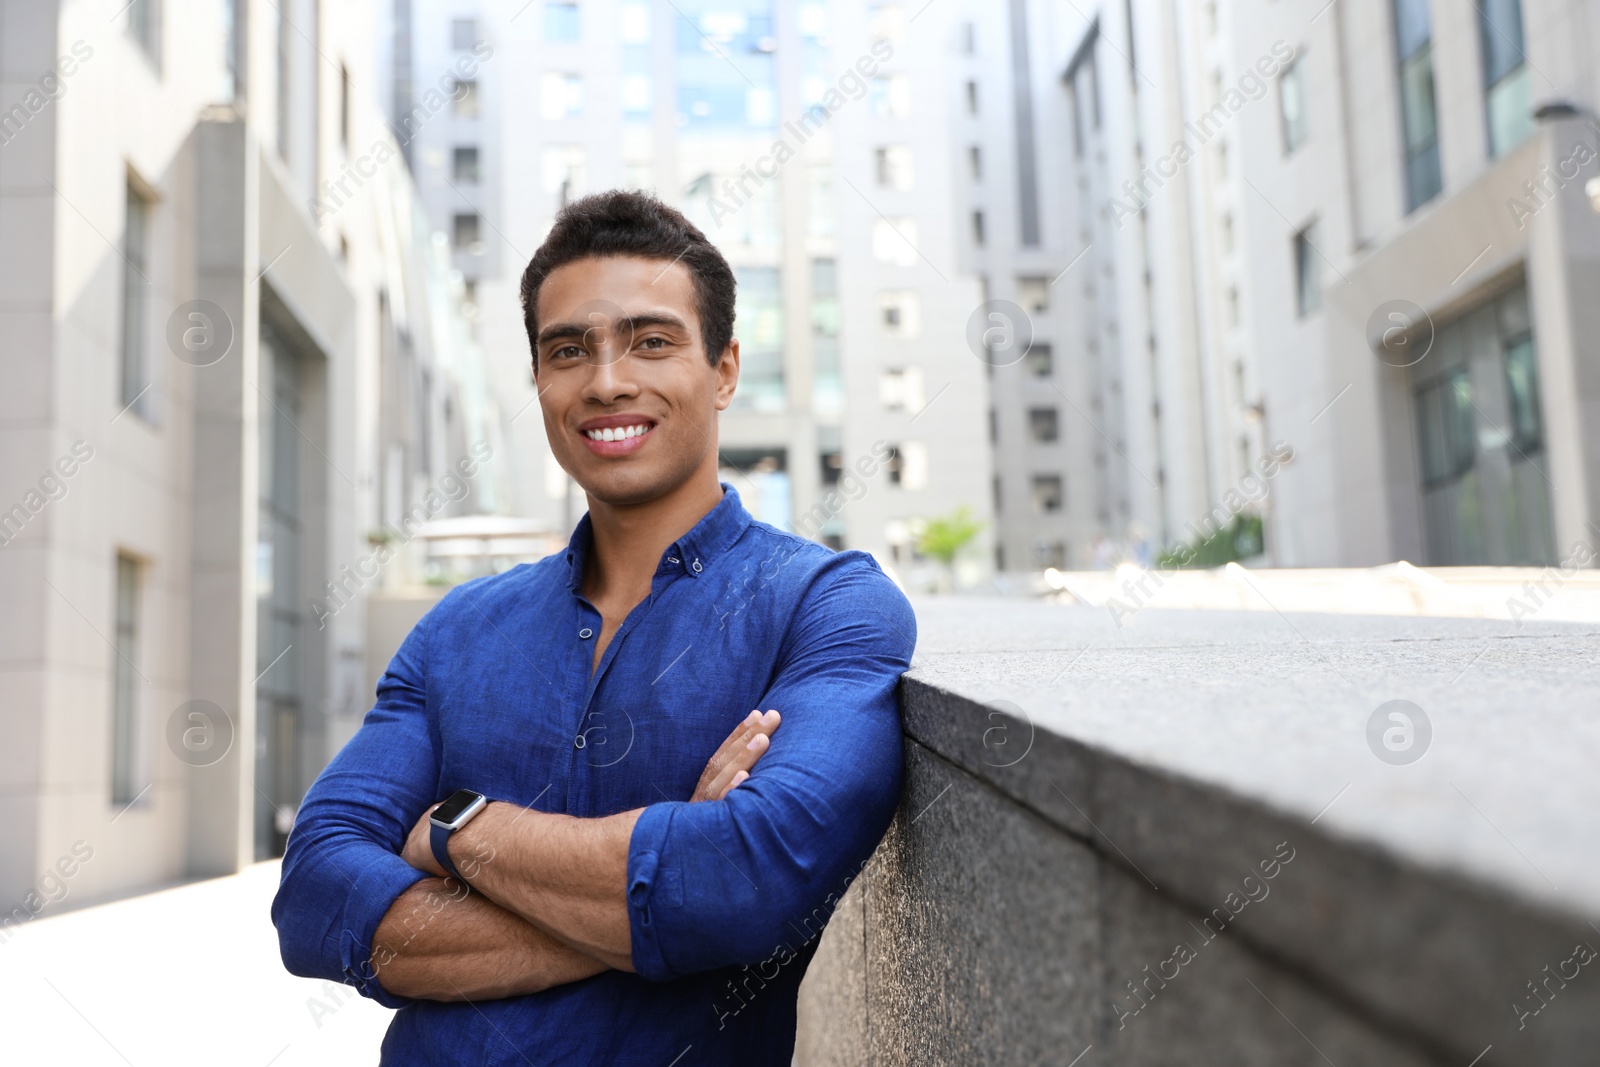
456,806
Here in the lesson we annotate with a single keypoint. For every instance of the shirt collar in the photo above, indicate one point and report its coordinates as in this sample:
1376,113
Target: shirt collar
694,553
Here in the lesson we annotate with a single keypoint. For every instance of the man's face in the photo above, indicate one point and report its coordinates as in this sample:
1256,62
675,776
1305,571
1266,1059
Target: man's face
630,400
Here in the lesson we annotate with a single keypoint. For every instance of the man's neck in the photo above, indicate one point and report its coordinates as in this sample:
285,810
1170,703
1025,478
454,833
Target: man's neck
629,539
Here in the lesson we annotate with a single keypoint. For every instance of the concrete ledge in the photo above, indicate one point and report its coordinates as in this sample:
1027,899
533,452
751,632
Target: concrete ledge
1082,799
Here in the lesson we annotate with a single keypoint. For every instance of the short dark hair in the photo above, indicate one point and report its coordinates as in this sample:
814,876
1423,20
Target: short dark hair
622,222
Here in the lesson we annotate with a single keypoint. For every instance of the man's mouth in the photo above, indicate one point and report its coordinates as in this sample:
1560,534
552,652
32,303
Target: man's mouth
616,435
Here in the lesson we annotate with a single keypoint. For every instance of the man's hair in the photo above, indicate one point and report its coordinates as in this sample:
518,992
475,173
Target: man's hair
627,223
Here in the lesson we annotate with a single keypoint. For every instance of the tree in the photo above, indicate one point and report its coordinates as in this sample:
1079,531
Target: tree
944,538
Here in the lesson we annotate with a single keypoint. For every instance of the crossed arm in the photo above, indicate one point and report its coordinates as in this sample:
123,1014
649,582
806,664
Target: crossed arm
669,890
550,906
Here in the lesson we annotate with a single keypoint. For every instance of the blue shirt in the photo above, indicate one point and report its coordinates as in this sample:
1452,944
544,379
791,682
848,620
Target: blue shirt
492,691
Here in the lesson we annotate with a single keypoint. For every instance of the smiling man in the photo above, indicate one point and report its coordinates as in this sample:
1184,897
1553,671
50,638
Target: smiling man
650,861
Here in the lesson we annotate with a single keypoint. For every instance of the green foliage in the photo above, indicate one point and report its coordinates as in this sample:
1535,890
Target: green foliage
944,538
1240,539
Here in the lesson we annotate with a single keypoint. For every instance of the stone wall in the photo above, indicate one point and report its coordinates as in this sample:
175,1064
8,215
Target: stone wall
1220,871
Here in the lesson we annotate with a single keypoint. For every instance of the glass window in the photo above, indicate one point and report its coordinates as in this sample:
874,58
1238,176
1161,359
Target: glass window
463,34
901,389
564,168
819,201
344,105
1039,362
908,465
887,22
285,83
1522,392
1033,293
125,692
895,240
464,101
1477,396
725,64
634,23
1293,104
144,22
1043,426
894,167
1418,107
464,167
1047,494
560,21
758,323
1445,425
900,313
1307,271
282,530
825,297
638,94
813,20
1507,90
560,95
468,233
889,96
1050,553
135,363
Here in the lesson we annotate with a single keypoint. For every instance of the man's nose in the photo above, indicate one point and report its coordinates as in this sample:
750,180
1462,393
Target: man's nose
610,376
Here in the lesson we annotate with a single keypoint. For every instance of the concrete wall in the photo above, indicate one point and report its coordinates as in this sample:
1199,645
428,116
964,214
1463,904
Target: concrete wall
1082,801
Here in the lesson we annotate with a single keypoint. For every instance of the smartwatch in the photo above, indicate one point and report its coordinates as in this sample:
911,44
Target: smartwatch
460,809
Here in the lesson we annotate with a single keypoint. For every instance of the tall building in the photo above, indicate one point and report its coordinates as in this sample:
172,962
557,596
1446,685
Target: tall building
1031,139
1341,231
809,141
235,390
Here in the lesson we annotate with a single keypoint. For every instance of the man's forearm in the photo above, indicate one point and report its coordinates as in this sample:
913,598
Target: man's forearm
438,943
566,875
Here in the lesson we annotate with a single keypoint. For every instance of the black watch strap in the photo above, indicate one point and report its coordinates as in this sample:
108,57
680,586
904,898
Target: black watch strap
439,838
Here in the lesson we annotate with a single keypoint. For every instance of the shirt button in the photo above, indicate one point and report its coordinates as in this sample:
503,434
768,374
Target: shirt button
585,633
578,742
672,559
696,566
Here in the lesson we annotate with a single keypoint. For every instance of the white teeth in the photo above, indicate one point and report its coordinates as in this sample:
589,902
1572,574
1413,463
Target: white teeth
619,433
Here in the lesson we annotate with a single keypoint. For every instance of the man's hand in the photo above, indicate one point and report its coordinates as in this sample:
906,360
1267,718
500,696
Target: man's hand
731,763
418,851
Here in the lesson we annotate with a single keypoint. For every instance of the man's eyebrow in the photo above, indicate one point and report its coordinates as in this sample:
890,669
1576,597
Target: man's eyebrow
560,331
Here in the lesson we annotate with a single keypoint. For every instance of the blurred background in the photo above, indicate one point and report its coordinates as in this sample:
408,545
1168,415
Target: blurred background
1031,293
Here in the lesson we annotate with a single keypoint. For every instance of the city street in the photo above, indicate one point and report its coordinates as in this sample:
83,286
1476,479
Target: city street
82,987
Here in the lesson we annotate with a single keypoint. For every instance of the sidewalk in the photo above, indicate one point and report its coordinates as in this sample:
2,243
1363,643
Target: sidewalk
183,976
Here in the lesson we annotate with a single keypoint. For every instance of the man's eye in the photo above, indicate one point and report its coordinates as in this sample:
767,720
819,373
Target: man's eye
567,352
653,344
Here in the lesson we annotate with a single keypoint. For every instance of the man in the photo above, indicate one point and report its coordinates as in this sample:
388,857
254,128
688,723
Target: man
642,889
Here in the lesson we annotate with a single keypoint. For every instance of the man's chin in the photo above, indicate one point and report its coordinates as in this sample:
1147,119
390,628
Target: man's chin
625,488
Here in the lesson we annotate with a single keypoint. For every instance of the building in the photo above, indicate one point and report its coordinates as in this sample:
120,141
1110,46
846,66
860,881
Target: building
1340,230
810,141
235,391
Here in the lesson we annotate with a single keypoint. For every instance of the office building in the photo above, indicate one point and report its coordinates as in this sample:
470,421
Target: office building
236,389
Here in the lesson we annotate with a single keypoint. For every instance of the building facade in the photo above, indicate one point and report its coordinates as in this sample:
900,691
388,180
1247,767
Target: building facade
236,391
810,141
1341,232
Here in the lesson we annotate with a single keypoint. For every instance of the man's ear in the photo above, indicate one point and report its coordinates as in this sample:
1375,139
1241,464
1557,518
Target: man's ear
727,375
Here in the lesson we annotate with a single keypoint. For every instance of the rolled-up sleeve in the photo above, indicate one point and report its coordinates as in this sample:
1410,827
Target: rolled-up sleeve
733,881
342,868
